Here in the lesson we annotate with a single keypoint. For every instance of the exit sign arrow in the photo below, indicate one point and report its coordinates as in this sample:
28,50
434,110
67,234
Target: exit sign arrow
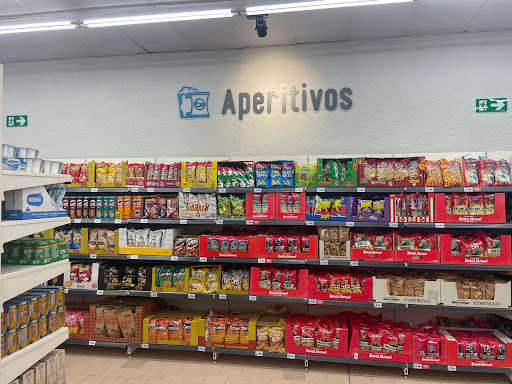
17,121
498,105
492,105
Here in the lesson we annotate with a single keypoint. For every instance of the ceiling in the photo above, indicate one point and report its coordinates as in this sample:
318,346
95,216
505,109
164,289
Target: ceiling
422,17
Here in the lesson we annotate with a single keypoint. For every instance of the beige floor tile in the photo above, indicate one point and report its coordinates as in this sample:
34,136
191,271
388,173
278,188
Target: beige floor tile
156,382
136,381
114,372
134,363
117,363
93,379
216,378
133,373
152,365
382,380
173,366
114,380
192,367
231,370
315,377
77,368
336,378
294,375
406,381
238,380
94,371
196,378
256,372
74,378
281,381
361,380
272,373
259,380
155,374
174,377
213,367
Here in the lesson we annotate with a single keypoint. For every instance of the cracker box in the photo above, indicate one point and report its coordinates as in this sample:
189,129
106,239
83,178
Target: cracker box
39,373
431,293
321,297
397,215
192,332
60,361
249,331
51,369
190,208
291,206
91,284
495,256
204,245
260,206
301,291
342,350
166,248
192,174
170,278
355,213
311,254
391,172
27,377
426,361
324,254
441,216
450,297
337,173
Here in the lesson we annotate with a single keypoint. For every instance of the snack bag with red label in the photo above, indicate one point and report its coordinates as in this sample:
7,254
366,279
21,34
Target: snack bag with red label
470,172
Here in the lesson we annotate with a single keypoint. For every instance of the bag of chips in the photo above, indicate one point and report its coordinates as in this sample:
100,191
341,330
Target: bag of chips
434,174
452,175
460,204
486,172
470,172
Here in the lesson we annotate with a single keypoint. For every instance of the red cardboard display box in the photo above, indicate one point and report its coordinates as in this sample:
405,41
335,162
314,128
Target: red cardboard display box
372,255
355,353
301,291
503,259
499,215
453,351
367,294
430,360
283,203
396,219
298,349
312,254
426,257
249,207
252,249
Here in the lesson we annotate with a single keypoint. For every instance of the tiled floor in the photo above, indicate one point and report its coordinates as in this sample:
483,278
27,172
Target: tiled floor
94,365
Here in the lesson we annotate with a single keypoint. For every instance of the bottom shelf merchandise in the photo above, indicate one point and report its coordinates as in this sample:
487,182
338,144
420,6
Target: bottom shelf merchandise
49,370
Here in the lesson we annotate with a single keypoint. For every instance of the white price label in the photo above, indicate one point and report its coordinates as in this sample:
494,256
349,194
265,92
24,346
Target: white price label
222,296
429,189
174,258
417,366
92,343
361,189
393,225
249,222
191,295
310,222
261,260
118,221
77,221
183,221
222,190
320,189
290,356
468,189
252,298
439,225
151,189
258,353
97,221
219,222
324,262
354,263
349,223
144,221
94,189
99,292
299,189
311,301
356,356
93,256
144,346
201,349
133,257
135,189
66,290
452,368
377,305
186,189
153,294
257,190
203,259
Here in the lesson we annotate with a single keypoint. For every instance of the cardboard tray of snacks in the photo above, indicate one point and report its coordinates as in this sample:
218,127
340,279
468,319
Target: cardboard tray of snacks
165,250
502,297
301,291
249,332
323,181
193,330
253,212
393,217
367,294
324,255
119,184
499,215
212,183
252,249
430,360
497,256
312,254
431,293
400,165
369,216
295,210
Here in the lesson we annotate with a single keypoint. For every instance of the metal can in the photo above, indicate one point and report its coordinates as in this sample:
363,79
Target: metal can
24,335
119,207
100,207
127,207
85,207
111,208
92,208
65,204
79,206
72,207
34,330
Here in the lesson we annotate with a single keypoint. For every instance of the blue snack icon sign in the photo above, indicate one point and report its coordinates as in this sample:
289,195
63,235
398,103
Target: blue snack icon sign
193,103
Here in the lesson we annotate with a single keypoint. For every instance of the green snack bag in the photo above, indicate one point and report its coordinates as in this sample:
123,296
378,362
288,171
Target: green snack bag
343,171
223,206
350,171
331,170
238,206
178,278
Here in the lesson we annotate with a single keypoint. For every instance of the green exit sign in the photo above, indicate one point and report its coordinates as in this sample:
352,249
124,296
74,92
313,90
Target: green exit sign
491,105
17,121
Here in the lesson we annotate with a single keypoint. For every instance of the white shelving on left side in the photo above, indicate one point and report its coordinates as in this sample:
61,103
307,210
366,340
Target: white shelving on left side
12,180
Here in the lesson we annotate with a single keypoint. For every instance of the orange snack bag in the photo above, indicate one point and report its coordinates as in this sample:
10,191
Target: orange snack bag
452,174
175,329
187,330
232,332
162,330
217,331
244,332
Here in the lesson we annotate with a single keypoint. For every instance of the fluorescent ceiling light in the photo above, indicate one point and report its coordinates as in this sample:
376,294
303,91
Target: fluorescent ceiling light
49,26
314,5
159,18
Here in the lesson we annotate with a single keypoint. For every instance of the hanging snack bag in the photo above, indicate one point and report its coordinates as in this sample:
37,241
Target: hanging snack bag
434,174
452,175
470,172
502,173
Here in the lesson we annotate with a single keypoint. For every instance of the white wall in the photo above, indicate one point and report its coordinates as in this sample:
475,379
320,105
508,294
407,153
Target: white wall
410,95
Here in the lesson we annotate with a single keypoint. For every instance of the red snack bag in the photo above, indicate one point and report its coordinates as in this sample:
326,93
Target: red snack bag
487,348
296,331
476,205
84,273
426,242
460,204
428,327
376,341
461,347
308,331
383,242
73,274
471,351
434,347
290,280
486,172
304,243
502,173
334,282
472,248
84,174
322,283
325,335
270,243
501,350
405,241
470,173
345,283
266,278
390,343
278,279
280,243
150,171
364,343
294,244
295,203
165,172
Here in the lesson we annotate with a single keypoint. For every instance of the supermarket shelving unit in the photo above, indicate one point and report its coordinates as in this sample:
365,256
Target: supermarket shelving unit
16,279
505,227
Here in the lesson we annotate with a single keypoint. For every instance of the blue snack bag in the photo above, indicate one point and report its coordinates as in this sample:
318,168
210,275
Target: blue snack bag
262,175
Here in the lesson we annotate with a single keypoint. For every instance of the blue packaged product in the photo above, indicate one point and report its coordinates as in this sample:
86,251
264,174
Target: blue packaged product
276,175
262,175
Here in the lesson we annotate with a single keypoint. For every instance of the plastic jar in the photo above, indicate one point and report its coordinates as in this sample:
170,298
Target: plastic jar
34,330
13,342
61,315
24,335
43,326
53,321
12,315
23,311
3,320
3,350
60,297
44,303
34,306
